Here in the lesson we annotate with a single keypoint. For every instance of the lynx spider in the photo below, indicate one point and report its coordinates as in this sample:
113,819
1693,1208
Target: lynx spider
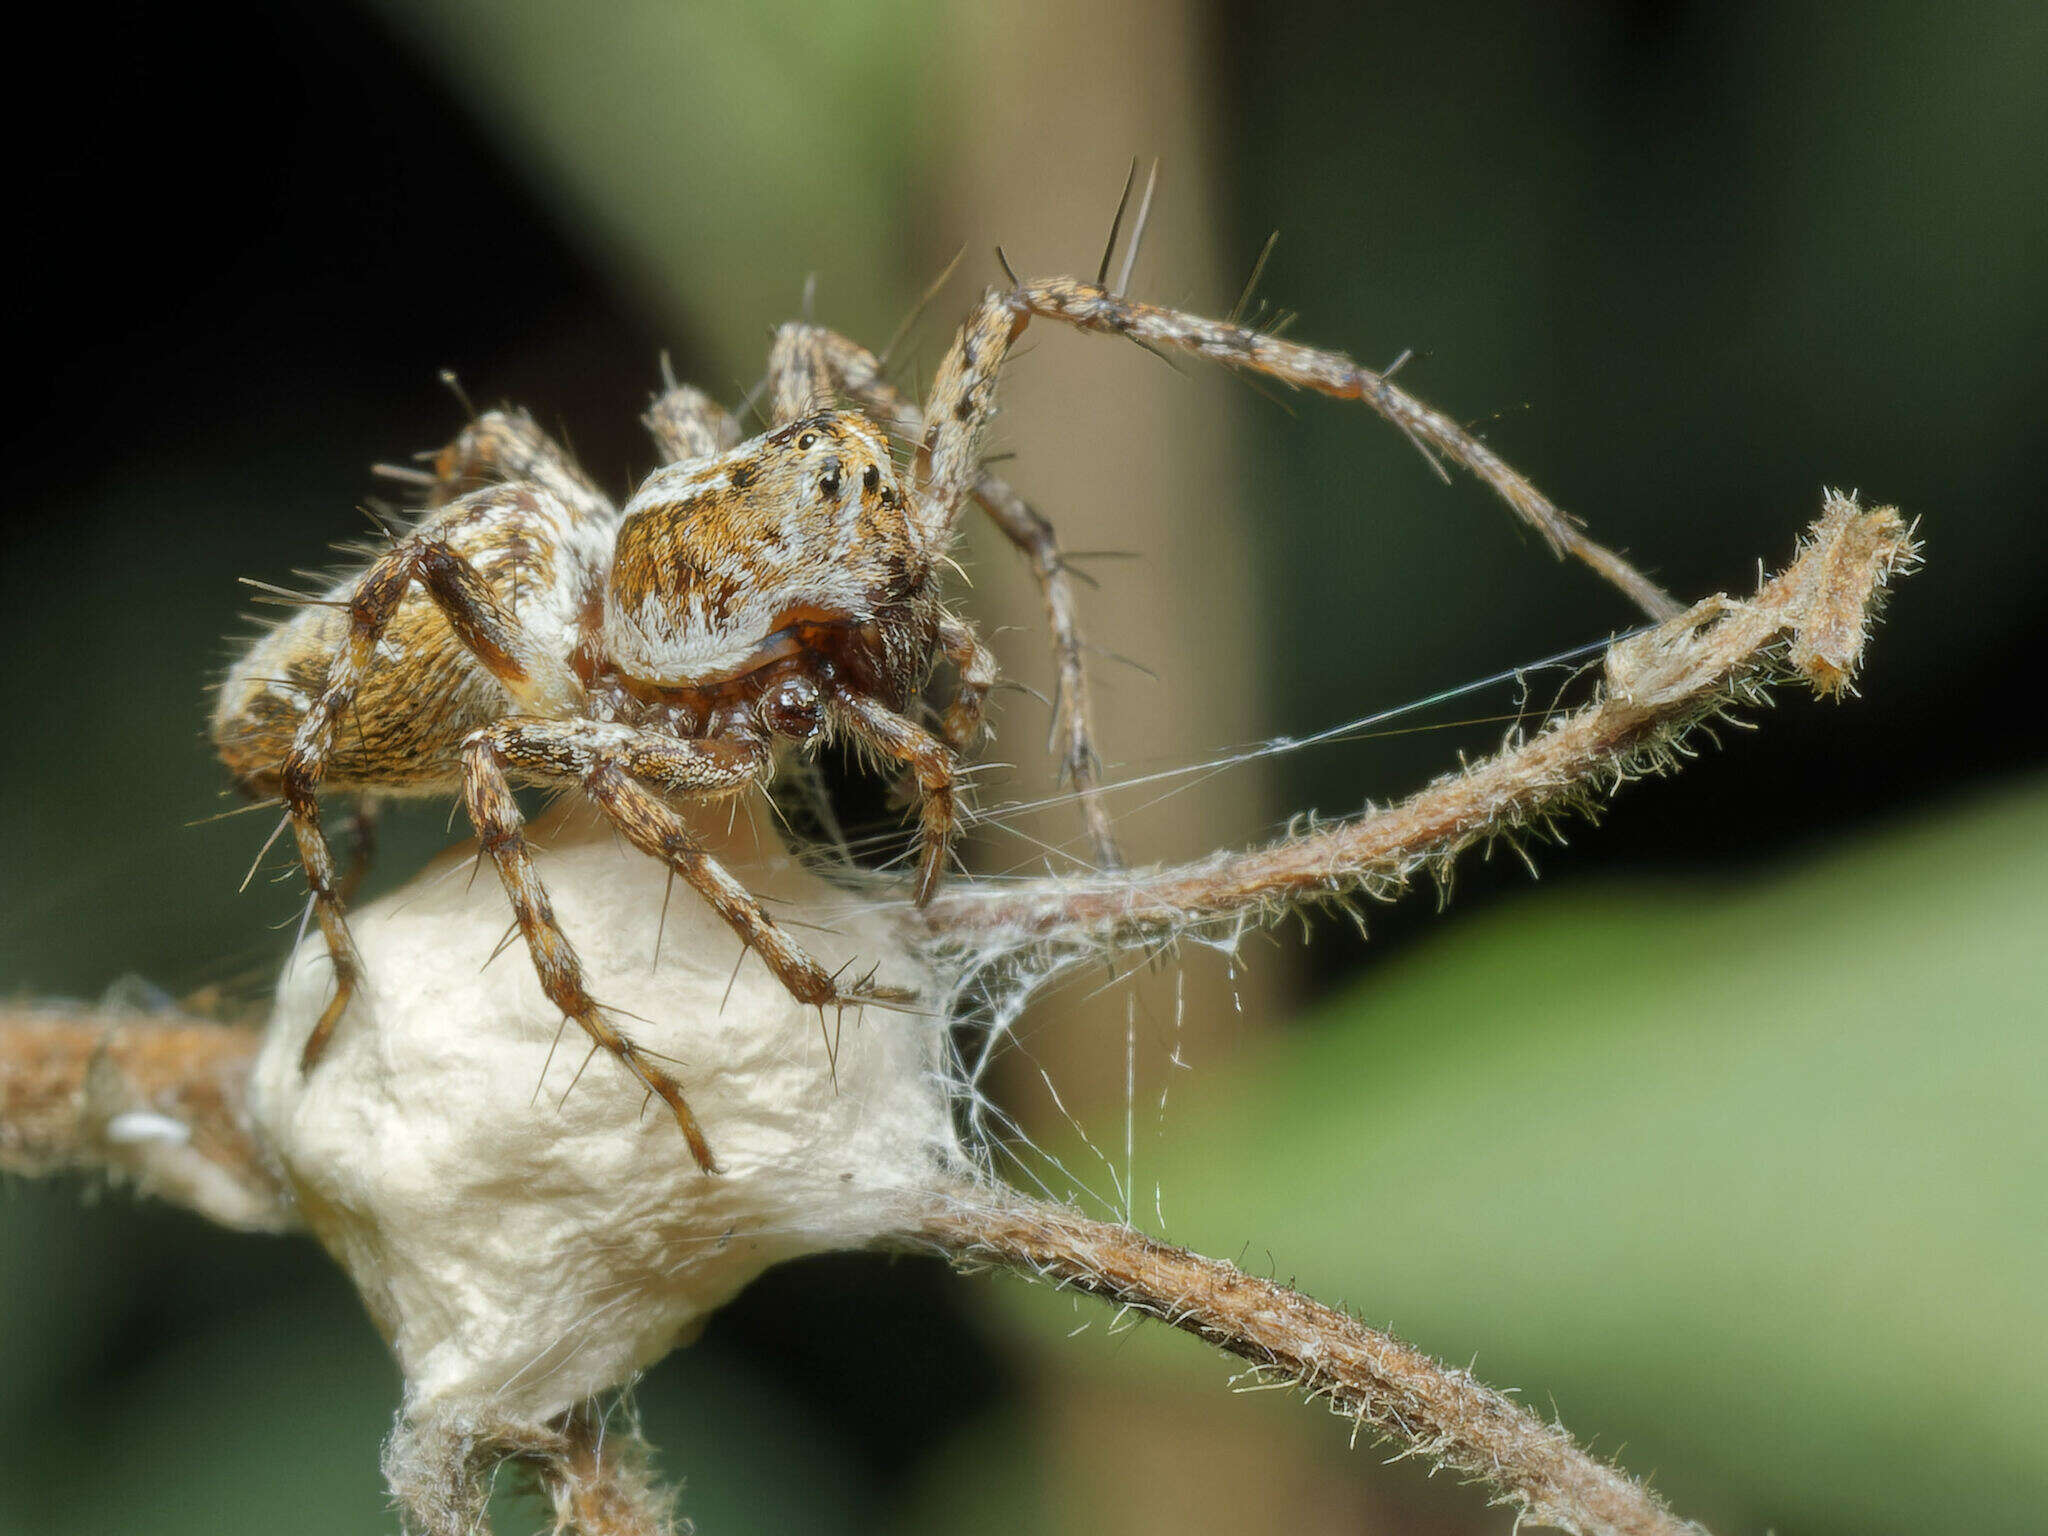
782,589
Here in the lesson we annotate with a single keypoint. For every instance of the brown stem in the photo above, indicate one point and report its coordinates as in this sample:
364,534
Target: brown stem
1657,686
598,1478
1372,1378
156,1098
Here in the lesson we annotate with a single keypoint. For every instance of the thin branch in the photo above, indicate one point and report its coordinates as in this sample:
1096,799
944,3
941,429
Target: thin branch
152,1098
1807,624
1381,1384
62,1070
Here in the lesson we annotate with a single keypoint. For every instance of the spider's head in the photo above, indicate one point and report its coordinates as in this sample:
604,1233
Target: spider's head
716,558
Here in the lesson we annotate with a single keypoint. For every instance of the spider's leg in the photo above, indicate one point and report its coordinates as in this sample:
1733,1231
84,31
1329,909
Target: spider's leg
486,629
362,847
947,464
856,372
964,720
1080,765
501,830
929,761
686,423
626,773
1092,307
800,372
627,784
507,447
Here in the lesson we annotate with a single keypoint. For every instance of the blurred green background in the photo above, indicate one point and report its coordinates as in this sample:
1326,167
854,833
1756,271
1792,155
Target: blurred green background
1725,1139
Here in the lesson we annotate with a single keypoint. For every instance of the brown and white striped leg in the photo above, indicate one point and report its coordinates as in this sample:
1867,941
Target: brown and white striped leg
930,762
549,747
1094,307
686,423
965,719
1073,710
857,373
508,447
625,773
620,786
491,634
800,372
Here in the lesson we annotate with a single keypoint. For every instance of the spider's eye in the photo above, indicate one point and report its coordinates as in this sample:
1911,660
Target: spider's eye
829,482
870,478
807,442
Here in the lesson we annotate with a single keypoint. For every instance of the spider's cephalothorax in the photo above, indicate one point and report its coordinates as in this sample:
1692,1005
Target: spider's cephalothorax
752,592
525,630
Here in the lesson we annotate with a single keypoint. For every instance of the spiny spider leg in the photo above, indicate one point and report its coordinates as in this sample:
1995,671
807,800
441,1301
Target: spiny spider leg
626,772
964,721
930,761
498,447
490,634
857,373
1092,307
1028,530
686,423
800,372
507,447
538,747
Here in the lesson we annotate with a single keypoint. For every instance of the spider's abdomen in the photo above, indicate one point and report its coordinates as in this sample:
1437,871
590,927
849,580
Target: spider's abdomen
422,691
719,560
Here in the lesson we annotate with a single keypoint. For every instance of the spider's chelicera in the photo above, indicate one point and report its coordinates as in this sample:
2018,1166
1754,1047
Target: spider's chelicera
525,630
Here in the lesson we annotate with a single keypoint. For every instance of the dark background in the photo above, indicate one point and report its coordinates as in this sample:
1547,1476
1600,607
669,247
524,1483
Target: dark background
1683,264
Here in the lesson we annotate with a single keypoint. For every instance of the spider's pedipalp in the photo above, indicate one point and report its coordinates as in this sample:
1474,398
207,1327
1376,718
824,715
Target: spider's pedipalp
931,764
963,724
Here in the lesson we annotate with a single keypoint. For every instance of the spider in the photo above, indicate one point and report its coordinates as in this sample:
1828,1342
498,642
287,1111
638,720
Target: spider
778,590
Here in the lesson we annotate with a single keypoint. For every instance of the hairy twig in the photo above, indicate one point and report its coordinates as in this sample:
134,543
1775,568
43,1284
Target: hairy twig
1806,624
1392,1389
154,1098
440,1466
439,1462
